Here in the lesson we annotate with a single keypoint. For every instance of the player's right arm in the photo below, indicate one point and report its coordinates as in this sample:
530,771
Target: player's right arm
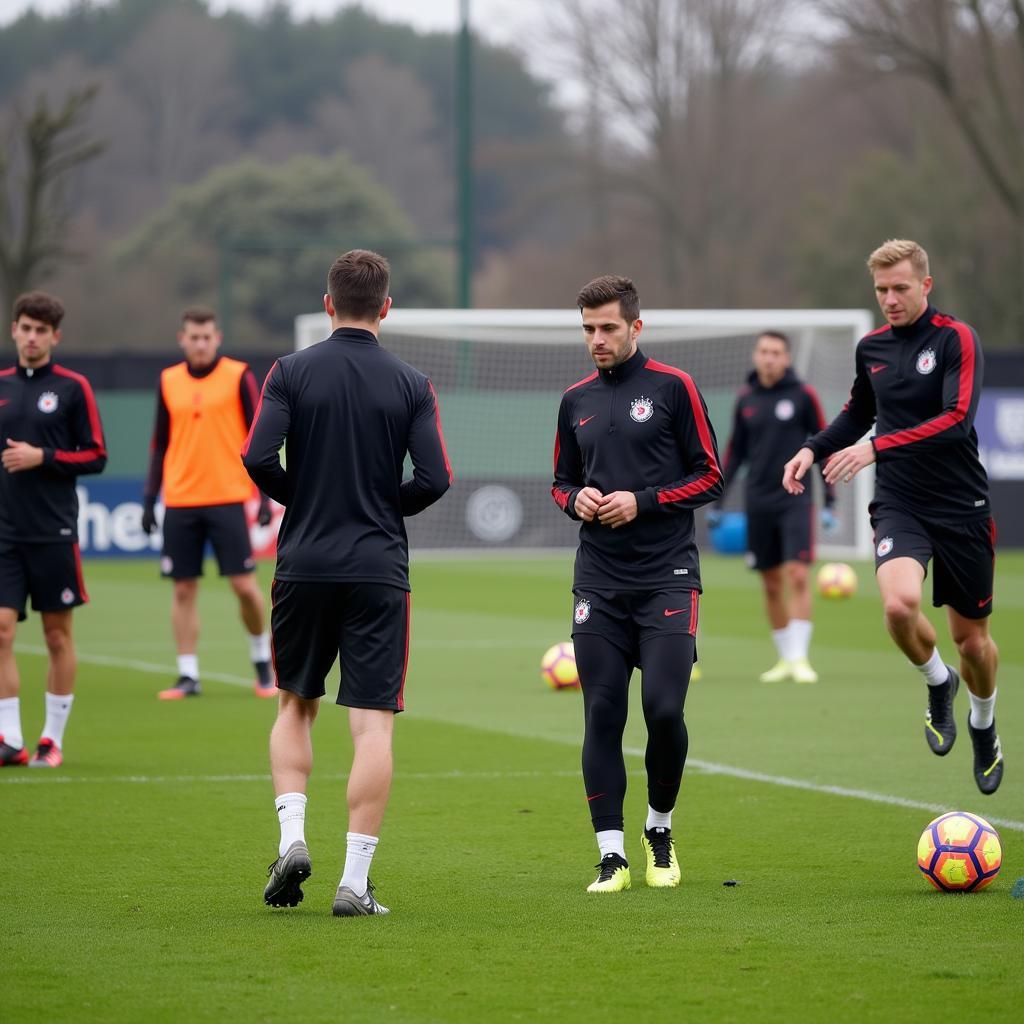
568,467
261,453
853,422
157,450
735,450
431,470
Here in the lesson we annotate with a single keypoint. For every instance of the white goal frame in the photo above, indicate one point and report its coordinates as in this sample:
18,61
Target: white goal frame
557,326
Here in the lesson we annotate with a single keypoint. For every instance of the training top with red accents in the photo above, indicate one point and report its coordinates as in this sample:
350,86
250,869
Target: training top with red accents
347,412
54,409
643,427
770,423
919,386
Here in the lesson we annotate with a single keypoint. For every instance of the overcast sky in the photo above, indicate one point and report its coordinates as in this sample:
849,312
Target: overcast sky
495,19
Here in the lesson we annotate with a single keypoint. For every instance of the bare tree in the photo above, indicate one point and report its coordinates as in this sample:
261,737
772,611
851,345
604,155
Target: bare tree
678,80
33,211
970,53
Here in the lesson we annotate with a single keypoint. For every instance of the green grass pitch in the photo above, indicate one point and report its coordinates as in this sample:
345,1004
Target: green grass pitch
133,876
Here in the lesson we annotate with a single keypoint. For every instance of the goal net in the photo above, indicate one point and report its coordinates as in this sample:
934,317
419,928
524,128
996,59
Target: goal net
499,375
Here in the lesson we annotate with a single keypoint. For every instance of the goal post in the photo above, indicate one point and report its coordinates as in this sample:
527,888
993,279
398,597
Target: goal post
500,373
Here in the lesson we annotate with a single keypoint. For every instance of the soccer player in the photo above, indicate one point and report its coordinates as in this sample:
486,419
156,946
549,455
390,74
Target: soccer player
204,408
51,434
635,454
775,413
348,413
918,381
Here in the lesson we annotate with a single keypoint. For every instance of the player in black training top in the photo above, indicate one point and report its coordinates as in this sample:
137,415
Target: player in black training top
918,381
347,412
634,456
775,413
51,434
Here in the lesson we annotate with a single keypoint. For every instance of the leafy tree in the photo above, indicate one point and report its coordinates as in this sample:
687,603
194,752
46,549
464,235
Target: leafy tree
269,234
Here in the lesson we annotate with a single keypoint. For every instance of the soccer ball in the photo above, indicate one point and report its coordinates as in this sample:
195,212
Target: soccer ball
836,580
558,667
959,852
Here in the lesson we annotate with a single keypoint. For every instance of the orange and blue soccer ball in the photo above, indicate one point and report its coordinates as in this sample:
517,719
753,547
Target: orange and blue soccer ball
959,852
836,580
558,667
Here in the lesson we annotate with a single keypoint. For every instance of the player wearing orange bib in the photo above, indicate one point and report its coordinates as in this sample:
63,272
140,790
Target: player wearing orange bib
204,408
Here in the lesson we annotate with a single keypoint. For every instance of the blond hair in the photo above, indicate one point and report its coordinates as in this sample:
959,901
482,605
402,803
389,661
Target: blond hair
894,251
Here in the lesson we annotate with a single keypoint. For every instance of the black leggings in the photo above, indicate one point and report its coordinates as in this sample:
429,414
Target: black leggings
604,668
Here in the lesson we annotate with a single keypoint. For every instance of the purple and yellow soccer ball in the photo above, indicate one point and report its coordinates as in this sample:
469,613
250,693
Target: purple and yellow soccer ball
959,852
558,667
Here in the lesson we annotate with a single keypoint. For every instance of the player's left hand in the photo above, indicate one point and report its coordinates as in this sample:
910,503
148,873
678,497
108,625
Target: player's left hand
829,522
19,455
264,515
846,464
617,509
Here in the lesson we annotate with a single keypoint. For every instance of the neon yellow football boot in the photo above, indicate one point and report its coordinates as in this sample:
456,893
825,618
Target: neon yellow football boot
778,673
662,866
800,669
613,875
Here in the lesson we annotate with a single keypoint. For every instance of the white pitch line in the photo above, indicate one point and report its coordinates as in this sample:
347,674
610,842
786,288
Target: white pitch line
707,767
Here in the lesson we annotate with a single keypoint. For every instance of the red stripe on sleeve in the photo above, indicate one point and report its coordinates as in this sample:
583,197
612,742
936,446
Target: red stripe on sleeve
90,407
561,497
256,414
714,473
963,400
440,434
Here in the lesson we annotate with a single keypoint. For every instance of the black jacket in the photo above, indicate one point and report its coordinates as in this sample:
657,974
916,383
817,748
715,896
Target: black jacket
347,412
54,409
640,427
769,426
919,385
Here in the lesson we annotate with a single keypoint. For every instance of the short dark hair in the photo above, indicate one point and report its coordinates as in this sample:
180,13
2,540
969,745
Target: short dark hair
39,306
358,283
611,288
197,315
778,335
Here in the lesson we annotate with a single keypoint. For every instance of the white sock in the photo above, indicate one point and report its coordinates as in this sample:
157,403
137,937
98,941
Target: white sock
291,813
358,855
58,707
934,669
612,840
779,636
10,722
799,638
983,710
259,647
658,819
188,665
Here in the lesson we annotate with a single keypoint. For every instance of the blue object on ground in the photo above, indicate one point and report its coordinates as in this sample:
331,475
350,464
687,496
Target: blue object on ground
729,537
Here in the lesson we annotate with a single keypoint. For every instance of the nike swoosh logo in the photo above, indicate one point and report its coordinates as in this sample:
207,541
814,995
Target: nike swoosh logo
879,367
4,401
676,612
981,604
583,423
595,796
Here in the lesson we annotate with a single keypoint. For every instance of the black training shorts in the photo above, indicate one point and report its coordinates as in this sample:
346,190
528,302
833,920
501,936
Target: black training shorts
365,624
186,531
963,553
628,618
51,574
778,534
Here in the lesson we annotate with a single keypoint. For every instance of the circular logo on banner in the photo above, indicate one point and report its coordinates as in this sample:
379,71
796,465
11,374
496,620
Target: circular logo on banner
494,513
67,596
48,402
784,409
926,361
885,545
582,612
641,409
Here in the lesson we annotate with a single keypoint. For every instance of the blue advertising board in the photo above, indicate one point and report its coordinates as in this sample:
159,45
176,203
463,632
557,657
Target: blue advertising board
1000,426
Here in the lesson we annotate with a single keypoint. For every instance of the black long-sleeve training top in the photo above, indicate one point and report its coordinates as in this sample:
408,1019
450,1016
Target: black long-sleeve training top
643,427
347,412
769,425
54,409
920,386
